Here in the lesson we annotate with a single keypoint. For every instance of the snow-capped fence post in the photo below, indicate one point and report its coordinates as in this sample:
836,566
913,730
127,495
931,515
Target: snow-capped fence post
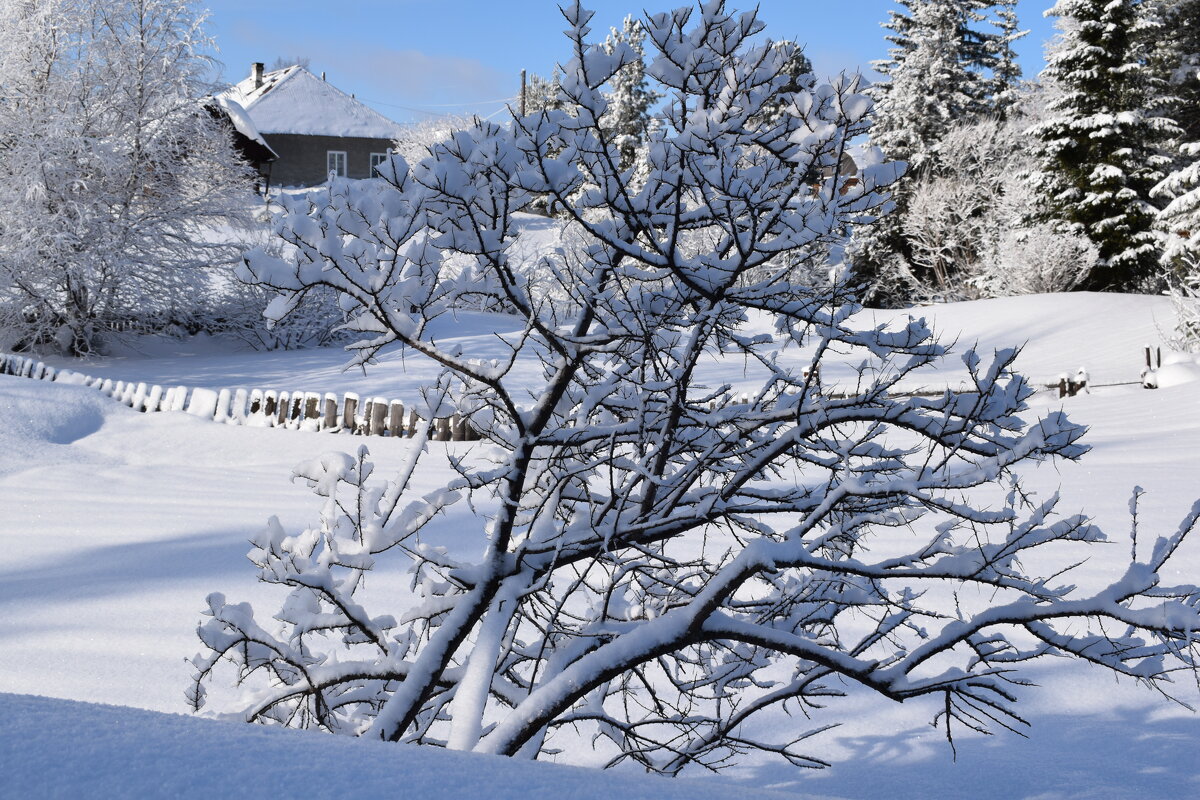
203,403
281,409
396,419
296,410
312,410
349,412
330,421
378,417
269,404
237,412
180,400
221,413
154,398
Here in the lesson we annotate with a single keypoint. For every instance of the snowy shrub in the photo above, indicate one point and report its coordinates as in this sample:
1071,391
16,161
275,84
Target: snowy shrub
1036,260
639,551
1184,291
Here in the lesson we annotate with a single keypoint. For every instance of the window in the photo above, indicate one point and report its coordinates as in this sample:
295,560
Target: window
376,160
335,163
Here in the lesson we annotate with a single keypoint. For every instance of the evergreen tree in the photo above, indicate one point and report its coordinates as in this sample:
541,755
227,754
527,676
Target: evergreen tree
929,86
1176,60
630,97
543,94
1097,149
1002,59
798,74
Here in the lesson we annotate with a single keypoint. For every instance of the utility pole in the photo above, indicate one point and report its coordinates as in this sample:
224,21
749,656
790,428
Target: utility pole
522,93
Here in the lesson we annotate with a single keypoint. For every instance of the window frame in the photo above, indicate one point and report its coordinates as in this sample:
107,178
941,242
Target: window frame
331,159
373,165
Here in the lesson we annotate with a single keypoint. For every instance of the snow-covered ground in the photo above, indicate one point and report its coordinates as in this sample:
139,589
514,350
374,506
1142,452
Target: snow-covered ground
114,526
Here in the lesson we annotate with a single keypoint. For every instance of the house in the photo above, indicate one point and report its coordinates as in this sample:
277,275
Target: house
248,142
315,129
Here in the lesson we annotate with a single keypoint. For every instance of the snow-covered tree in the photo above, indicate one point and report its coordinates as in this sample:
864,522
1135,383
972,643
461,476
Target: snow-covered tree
543,93
630,98
640,549
1176,55
947,66
1002,59
1184,290
112,174
945,69
931,84
799,71
1098,156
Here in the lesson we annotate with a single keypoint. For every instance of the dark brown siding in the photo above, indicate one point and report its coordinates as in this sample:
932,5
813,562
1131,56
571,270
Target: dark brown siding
302,158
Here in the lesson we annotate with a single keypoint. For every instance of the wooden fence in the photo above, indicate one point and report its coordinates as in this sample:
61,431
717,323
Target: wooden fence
314,411
311,411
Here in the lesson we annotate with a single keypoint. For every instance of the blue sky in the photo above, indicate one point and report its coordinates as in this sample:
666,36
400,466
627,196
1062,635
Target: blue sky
415,59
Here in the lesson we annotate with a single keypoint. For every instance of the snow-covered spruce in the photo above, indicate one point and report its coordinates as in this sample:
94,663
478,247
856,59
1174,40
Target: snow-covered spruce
663,562
1177,57
1097,150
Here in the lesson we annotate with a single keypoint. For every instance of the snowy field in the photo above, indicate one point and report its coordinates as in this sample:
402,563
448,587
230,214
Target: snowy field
115,525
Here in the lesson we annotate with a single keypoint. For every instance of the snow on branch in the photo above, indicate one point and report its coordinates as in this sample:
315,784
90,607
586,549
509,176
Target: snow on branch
635,551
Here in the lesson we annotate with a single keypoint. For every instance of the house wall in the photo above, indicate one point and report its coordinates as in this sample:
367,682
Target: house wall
302,159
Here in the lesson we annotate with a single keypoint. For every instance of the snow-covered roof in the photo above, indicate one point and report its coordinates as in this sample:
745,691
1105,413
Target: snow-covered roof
241,121
293,100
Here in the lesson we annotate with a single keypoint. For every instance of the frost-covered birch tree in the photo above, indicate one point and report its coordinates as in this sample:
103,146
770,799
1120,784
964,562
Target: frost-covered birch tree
112,174
639,551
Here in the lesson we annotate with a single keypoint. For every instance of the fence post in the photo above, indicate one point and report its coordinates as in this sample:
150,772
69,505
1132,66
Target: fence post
139,398
378,421
154,399
237,412
331,413
281,409
221,413
349,407
312,410
180,399
203,403
396,419
296,410
412,422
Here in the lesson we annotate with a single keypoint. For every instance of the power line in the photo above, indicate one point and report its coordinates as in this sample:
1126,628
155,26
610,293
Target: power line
505,100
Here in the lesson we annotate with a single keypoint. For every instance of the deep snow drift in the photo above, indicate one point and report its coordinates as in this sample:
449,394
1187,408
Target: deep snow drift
121,752
115,525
